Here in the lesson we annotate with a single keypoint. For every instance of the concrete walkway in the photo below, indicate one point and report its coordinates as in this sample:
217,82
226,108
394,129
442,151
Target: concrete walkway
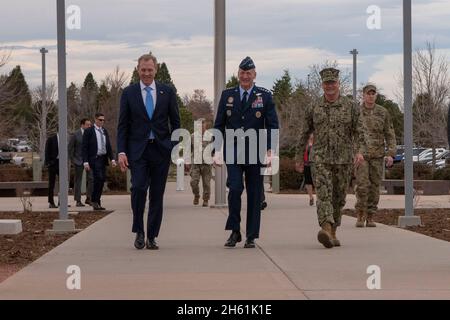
192,263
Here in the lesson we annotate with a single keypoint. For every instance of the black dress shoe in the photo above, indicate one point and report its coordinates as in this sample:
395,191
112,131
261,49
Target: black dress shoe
249,243
139,243
151,244
80,204
52,206
88,202
234,238
263,205
97,207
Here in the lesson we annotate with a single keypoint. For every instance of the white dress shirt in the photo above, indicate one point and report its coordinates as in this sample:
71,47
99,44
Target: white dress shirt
98,133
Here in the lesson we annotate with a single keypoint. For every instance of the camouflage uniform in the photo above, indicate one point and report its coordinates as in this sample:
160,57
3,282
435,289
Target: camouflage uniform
202,171
379,132
336,126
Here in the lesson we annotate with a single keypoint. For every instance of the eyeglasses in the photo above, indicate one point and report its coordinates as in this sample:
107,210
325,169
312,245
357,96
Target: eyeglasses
101,120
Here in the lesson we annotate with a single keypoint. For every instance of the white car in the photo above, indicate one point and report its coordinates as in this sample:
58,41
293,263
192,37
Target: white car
427,155
22,146
18,160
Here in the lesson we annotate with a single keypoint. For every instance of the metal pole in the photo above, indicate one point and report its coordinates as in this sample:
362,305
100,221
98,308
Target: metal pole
43,133
219,86
409,219
62,109
354,52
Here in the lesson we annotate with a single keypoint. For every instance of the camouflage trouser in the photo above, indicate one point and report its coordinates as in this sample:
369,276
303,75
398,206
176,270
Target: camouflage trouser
331,182
203,171
368,179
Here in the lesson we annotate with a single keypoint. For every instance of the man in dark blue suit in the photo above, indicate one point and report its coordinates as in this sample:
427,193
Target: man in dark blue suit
245,109
96,150
144,146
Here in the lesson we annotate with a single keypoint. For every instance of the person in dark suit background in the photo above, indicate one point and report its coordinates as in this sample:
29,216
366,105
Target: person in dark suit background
96,153
52,164
144,145
76,157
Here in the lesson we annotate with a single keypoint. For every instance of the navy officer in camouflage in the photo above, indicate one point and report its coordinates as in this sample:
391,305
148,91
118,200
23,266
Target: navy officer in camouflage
380,136
244,110
338,130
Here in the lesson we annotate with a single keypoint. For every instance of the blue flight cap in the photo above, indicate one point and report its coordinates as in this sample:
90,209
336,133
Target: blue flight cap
247,64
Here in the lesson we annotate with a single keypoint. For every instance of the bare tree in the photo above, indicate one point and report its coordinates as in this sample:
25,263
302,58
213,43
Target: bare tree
431,89
199,105
314,82
45,121
110,104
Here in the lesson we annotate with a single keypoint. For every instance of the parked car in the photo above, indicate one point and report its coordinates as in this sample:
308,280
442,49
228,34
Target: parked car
5,158
417,152
18,160
440,160
427,155
400,156
22,146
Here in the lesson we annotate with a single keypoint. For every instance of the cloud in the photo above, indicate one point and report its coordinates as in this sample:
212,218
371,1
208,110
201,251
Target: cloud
283,34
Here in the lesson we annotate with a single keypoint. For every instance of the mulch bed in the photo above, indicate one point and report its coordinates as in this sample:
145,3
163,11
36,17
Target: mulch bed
435,222
17,251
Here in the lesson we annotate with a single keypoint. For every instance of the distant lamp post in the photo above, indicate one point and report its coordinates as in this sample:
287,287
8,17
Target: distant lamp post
354,52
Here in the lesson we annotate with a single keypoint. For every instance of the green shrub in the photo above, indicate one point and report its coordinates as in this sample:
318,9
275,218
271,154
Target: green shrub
289,178
13,173
117,180
442,174
421,171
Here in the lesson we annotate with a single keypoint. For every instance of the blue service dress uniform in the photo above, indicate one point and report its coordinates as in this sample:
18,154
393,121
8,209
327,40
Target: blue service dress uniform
256,114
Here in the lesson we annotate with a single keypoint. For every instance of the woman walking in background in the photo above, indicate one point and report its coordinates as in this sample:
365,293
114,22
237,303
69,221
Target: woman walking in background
306,169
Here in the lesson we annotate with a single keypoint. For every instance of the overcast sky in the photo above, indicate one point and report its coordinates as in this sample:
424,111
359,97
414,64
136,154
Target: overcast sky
282,34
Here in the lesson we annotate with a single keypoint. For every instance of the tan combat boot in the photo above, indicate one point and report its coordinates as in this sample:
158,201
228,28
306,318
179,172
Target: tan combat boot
324,235
205,203
369,221
360,217
334,240
196,200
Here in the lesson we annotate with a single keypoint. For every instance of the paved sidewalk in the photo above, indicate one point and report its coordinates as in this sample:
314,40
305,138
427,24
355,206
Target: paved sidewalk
192,263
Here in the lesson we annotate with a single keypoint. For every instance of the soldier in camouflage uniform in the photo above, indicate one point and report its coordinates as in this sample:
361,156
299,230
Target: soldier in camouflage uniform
338,130
200,170
380,135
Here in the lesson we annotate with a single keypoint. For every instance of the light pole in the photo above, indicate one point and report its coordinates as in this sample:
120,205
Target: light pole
409,219
43,133
63,224
354,52
219,86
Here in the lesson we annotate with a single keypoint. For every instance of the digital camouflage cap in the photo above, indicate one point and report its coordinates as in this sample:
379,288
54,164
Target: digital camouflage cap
329,74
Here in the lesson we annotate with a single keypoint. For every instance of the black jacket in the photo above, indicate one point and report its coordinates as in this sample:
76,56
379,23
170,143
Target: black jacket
90,147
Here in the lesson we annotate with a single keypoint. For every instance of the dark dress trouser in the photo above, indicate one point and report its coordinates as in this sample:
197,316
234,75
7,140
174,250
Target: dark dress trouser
150,171
53,171
99,175
253,183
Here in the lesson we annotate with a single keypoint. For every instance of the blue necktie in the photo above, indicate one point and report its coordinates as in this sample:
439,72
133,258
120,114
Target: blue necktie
149,105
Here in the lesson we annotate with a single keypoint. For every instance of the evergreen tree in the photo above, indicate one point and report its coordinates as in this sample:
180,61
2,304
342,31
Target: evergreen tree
73,107
282,90
20,107
232,82
89,96
395,113
135,77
